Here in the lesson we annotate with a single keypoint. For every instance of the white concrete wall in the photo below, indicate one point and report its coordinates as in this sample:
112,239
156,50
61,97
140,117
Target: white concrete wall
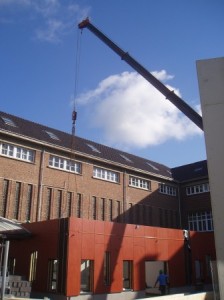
211,86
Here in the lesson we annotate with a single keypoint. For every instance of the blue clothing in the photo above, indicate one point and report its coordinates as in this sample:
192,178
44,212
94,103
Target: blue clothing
162,279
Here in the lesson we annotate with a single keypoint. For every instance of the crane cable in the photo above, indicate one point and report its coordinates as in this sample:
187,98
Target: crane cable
74,118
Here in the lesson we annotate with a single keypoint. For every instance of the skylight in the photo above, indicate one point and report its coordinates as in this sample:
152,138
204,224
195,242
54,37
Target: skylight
198,169
94,149
52,135
8,121
151,165
125,157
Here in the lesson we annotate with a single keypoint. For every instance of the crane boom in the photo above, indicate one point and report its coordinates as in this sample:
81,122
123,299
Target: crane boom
170,95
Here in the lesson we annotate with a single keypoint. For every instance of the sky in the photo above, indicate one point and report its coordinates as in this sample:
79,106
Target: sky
49,67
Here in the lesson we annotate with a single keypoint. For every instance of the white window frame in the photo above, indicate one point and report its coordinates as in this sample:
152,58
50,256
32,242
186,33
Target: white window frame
197,189
64,164
105,174
139,183
167,189
17,152
200,221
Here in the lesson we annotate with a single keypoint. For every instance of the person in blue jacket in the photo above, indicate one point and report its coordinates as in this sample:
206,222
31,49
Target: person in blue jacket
162,279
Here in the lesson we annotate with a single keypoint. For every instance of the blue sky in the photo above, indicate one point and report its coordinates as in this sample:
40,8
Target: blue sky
47,65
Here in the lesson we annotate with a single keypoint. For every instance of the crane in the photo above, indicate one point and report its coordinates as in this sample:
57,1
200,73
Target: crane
170,95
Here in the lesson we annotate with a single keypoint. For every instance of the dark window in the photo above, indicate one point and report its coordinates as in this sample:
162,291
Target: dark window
69,204
33,265
94,208
48,204
106,268
86,275
127,274
110,209
58,204
3,203
52,275
28,202
15,213
79,206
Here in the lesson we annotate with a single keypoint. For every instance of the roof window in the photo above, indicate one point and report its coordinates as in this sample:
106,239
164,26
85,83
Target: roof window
198,169
125,157
152,166
8,121
52,135
93,148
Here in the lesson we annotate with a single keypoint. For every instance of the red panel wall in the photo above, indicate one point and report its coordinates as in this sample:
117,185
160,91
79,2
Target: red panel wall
90,239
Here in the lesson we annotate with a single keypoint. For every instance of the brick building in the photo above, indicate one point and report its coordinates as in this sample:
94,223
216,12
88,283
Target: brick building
47,174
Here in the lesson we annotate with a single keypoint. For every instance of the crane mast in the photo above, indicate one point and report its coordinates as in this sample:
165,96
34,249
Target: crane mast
170,95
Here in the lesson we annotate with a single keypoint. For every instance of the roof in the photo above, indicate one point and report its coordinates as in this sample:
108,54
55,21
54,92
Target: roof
197,170
51,137
10,229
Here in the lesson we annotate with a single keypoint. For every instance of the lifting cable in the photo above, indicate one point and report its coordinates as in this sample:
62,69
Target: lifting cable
74,118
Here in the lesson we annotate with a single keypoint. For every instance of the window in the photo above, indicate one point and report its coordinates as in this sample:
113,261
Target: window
197,189
79,206
127,274
152,166
105,174
15,210
200,221
65,164
125,158
17,152
131,213
139,183
52,275
106,268
52,135
94,208
118,211
102,209
11,265
86,275
93,148
28,202
8,121
167,189
58,204
33,266
198,270
48,204
110,210
3,202
69,204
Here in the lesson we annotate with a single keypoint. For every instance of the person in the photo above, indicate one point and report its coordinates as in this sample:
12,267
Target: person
162,279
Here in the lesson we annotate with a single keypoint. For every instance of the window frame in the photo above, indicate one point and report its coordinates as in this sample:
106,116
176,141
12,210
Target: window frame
167,189
197,189
106,174
67,165
140,183
17,152
53,265
200,221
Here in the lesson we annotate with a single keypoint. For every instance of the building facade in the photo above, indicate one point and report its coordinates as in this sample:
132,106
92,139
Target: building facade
49,175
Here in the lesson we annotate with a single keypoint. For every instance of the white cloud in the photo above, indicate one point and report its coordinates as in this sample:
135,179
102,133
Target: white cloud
132,113
56,18
51,32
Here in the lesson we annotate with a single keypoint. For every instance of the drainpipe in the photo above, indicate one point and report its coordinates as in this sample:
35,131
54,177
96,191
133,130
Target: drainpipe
40,186
124,197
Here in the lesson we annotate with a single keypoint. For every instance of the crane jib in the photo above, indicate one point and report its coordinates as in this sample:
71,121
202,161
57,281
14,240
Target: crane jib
170,95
